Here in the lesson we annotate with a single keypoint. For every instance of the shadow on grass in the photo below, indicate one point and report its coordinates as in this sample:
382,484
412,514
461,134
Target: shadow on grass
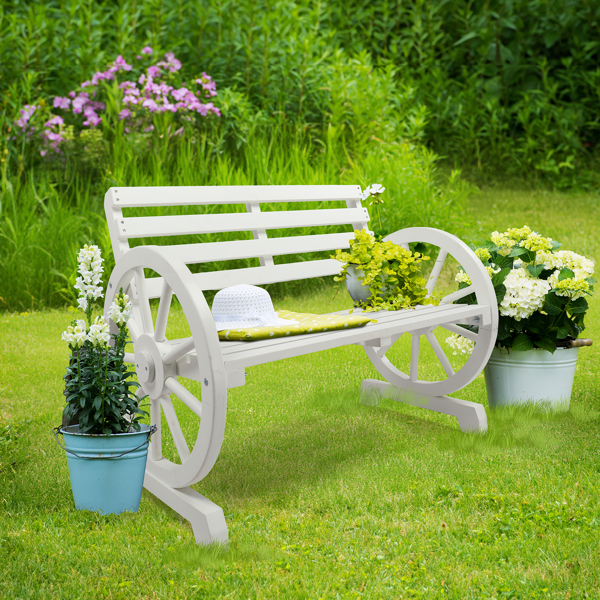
335,438
517,426
219,554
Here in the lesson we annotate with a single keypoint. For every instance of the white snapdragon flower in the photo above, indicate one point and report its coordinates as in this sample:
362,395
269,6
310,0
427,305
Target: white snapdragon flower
460,344
377,188
121,309
76,335
524,294
99,334
366,194
90,269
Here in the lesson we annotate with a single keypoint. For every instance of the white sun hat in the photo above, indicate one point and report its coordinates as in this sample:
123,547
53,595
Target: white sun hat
242,306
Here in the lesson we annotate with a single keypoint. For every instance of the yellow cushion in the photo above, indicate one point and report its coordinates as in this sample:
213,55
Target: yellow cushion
307,323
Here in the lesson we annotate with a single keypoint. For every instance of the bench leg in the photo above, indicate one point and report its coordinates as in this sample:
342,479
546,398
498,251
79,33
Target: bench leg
207,519
470,415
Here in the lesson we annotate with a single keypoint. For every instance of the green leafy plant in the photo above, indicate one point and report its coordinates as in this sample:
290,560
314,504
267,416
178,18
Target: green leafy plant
392,274
541,290
100,395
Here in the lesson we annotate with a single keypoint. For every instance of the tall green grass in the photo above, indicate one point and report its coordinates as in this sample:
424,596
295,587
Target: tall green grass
48,215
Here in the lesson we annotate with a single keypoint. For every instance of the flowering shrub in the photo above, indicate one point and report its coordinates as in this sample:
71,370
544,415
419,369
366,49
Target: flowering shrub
136,94
540,290
99,394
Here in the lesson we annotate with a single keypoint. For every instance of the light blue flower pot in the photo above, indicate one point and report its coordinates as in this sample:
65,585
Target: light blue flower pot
107,471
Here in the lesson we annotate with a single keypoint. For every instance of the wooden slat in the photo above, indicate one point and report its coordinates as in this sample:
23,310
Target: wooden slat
217,280
138,227
259,352
216,251
186,195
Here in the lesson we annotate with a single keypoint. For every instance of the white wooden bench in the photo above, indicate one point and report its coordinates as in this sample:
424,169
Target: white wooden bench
164,367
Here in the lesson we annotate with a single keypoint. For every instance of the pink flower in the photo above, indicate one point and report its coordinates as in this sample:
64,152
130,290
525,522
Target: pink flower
61,102
55,121
93,120
43,152
121,64
180,94
26,114
153,71
142,79
139,57
147,50
79,102
84,84
130,99
171,63
72,94
124,114
150,104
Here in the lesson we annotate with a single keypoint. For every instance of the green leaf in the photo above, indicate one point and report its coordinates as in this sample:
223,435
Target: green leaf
522,343
535,270
562,333
546,344
552,305
566,274
499,277
466,38
555,245
579,306
517,251
500,292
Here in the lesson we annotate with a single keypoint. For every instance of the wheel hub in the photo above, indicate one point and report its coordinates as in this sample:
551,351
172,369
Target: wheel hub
150,368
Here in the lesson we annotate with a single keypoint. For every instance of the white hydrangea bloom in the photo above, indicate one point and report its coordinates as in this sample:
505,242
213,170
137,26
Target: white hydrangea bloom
573,288
550,260
460,344
99,333
577,263
462,277
524,294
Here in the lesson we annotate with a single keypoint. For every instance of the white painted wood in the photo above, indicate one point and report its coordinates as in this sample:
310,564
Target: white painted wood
184,395
155,451
470,415
221,365
217,280
207,519
123,197
435,272
216,251
414,356
470,335
175,428
439,352
178,351
254,219
259,233
458,295
162,316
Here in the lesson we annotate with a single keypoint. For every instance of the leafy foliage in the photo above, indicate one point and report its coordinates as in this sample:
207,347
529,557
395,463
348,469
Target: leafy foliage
100,393
392,274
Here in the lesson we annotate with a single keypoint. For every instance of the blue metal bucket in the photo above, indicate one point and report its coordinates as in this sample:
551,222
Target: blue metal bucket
107,471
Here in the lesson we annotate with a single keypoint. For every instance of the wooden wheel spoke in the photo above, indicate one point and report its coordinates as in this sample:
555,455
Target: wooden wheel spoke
439,352
414,356
470,335
176,352
134,330
184,395
129,357
143,301
175,428
162,317
457,295
435,272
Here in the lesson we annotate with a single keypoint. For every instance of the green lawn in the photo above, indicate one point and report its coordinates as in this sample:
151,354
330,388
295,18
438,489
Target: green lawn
324,497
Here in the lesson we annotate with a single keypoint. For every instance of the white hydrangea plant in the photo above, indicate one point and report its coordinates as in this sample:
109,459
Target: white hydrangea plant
541,290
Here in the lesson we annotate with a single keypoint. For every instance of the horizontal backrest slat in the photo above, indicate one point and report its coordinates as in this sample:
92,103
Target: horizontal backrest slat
217,251
217,280
122,197
138,227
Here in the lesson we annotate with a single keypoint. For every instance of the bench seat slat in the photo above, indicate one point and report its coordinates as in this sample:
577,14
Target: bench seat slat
255,353
138,227
217,280
187,195
216,251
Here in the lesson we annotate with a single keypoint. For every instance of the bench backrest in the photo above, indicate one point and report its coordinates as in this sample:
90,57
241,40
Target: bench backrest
263,247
